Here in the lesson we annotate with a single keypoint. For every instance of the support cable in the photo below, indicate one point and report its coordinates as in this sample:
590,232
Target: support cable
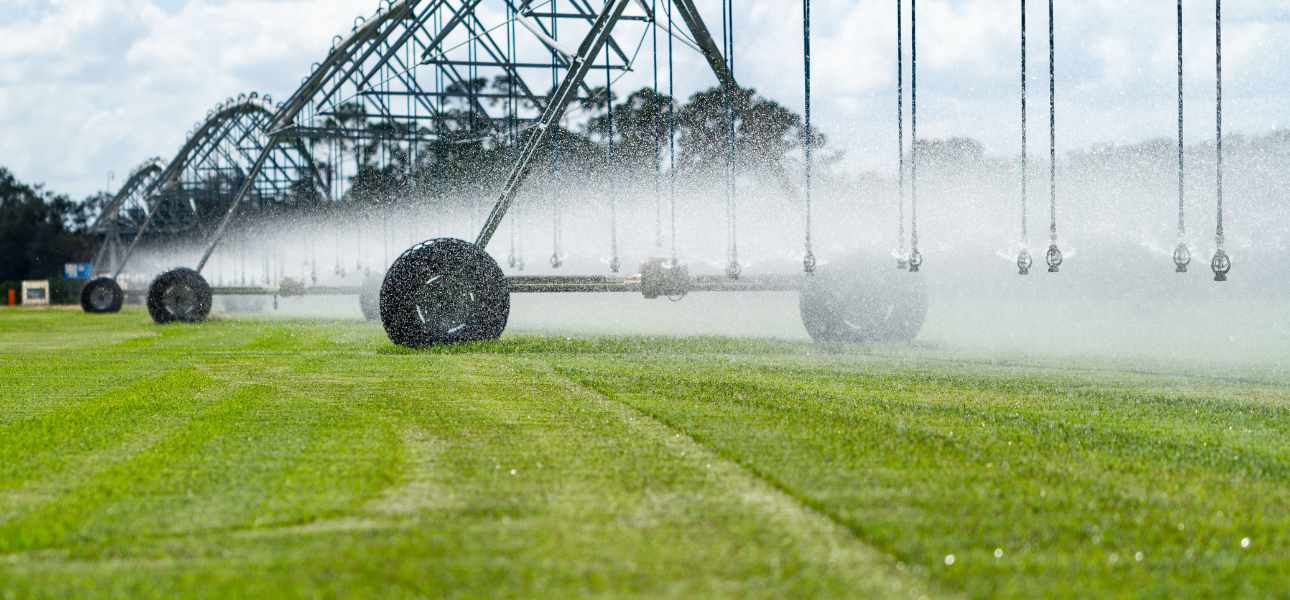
808,260
1054,255
1221,264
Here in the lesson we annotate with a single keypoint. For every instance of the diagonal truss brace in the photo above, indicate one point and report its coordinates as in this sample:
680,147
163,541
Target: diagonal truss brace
212,132
600,33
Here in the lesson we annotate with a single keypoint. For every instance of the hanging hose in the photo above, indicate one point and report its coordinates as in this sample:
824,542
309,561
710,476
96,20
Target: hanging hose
1182,254
808,260
512,259
512,50
615,263
1024,260
733,269
313,259
334,192
902,257
556,259
1221,264
658,137
671,131
1054,255
915,256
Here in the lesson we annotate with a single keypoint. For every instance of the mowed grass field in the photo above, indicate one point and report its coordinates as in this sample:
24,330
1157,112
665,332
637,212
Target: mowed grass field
246,458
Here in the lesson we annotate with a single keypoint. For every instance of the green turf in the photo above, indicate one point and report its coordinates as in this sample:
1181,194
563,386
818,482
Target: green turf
254,458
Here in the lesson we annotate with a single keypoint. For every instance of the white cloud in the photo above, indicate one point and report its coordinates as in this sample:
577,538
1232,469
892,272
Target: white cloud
90,86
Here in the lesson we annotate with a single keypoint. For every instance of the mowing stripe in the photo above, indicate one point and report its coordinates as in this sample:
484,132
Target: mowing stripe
79,514
70,437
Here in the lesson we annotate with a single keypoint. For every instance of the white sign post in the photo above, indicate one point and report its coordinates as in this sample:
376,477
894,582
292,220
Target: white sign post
35,293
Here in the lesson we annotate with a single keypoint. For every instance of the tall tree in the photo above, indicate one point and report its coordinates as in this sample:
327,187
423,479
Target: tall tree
39,230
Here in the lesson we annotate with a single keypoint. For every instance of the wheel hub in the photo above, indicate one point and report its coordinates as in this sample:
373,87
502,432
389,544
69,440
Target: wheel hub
180,300
101,297
445,304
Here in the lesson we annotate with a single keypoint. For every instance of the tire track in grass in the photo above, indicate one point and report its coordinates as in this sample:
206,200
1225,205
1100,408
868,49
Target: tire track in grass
961,438
554,493
819,532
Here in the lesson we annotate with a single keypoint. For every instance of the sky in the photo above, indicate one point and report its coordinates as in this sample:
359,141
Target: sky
91,88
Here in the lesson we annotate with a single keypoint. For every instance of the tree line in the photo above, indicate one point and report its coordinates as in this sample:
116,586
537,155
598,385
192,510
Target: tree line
40,230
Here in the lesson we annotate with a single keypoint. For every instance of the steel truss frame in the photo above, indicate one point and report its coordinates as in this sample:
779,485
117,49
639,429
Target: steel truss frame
214,161
125,213
417,66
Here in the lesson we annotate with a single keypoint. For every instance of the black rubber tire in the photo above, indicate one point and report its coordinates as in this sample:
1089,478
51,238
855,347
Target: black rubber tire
444,291
179,296
369,299
102,296
863,300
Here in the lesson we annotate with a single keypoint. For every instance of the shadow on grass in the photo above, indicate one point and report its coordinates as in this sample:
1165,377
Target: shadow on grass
537,344
532,344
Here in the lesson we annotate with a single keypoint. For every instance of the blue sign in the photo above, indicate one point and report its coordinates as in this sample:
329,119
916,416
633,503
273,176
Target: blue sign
77,270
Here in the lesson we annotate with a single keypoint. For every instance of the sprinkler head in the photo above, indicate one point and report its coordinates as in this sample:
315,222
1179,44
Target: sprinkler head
915,261
1053,258
734,269
1182,257
902,263
510,260
615,264
808,263
1221,265
1024,262
556,263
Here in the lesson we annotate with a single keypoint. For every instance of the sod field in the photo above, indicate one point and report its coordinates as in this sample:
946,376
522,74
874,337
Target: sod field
246,458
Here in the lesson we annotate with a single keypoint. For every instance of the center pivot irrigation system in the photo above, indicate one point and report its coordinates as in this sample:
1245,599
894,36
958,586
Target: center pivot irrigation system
415,64
168,203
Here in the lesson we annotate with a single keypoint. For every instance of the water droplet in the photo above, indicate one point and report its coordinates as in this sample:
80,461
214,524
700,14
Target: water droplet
1181,527
1245,542
1137,556
949,560
514,472
998,552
